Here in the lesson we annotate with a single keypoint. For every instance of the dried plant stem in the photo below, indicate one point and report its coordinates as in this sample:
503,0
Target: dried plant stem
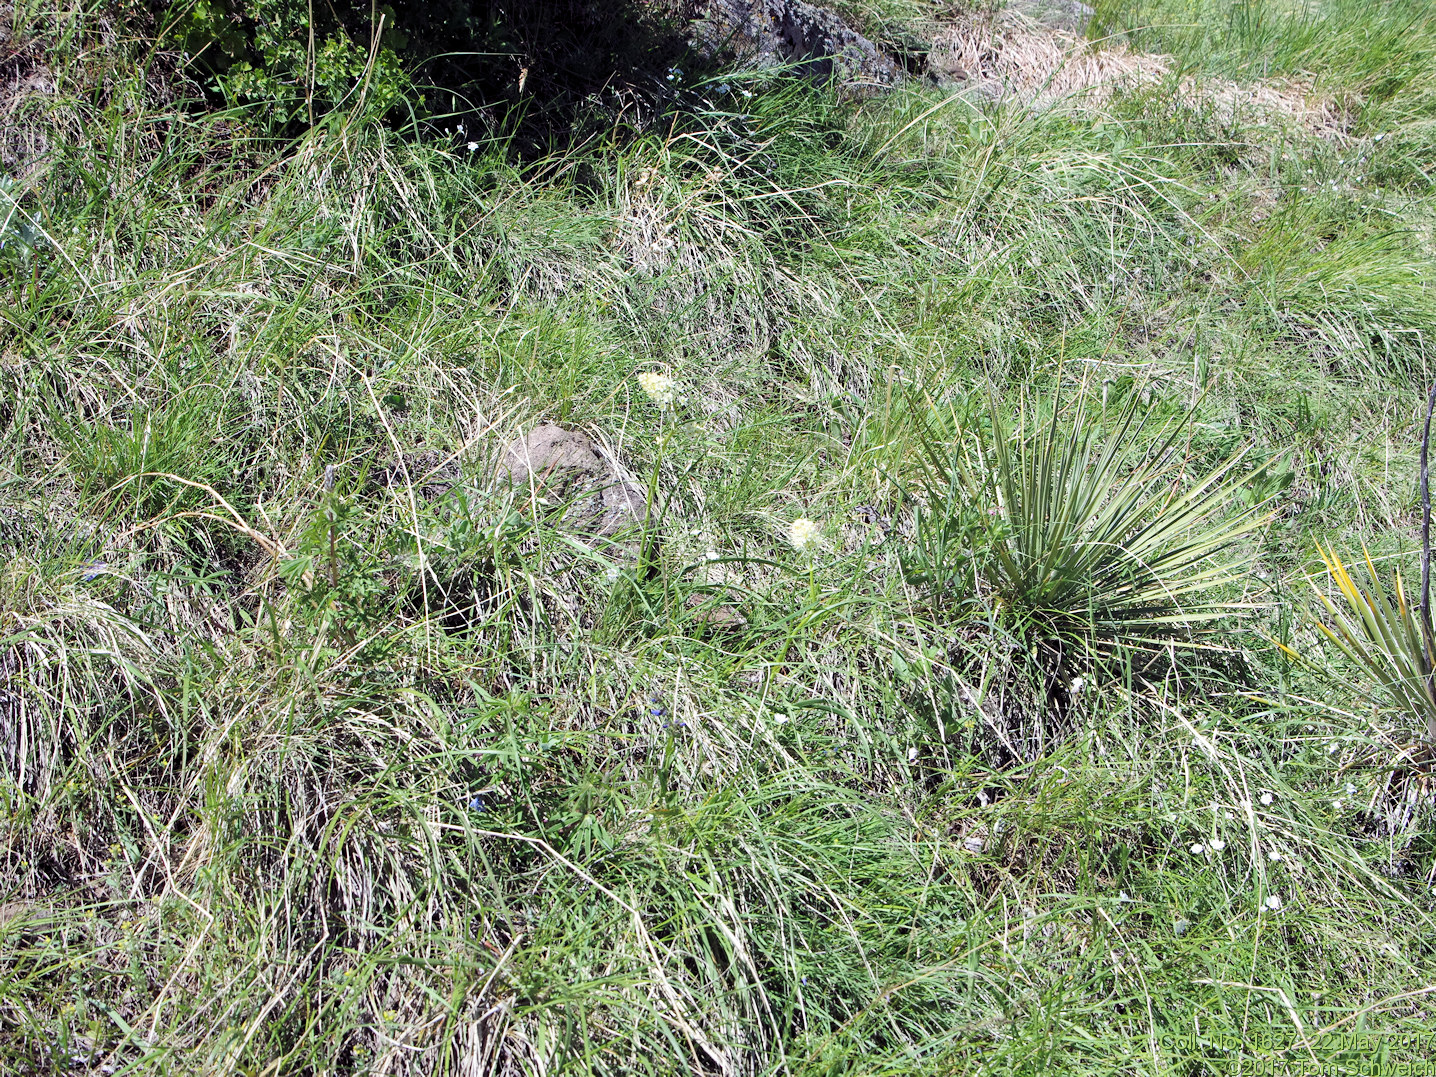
1426,633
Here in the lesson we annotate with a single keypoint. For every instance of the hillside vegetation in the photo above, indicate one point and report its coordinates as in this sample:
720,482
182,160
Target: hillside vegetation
1018,668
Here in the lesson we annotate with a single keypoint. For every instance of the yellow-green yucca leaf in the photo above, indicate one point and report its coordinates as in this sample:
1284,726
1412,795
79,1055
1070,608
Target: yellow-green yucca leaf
1113,539
1384,635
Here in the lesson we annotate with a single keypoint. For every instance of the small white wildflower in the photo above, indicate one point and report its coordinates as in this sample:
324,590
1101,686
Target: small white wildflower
660,388
1378,137
1078,683
472,146
1350,788
1122,896
1273,902
912,755
612,574
1181,927
1274,856
802,533
1266,799
1218,845
1198,848
1336,804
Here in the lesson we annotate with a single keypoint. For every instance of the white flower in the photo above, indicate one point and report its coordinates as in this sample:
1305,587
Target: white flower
661,389
802,533
1122,896
1198,848
1273,902
612,574
912,755
1336,804
1274,856
1350,788
1078,683
472,146
1218,845
1266,799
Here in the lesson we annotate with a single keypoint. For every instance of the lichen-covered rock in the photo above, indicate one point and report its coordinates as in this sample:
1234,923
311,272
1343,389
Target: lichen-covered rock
812,40
564,472
714,614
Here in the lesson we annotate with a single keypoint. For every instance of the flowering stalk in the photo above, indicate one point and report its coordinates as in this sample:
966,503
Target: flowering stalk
663,391
802,533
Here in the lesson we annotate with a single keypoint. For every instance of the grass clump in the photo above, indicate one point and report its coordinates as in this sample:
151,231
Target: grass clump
323,751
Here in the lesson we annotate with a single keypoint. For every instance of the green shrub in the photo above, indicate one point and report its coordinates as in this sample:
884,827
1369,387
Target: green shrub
454,62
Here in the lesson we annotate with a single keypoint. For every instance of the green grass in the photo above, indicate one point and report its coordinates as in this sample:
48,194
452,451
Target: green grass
375,781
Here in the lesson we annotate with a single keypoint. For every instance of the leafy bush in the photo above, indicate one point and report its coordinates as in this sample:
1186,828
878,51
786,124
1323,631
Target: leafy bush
270,53
465,62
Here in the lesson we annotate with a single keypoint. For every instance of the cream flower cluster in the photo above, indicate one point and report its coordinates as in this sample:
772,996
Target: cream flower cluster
661,389
802,533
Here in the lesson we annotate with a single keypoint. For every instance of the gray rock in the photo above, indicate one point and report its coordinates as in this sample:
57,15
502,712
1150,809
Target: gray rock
1070,15
565,473
432,474
715,614
782,33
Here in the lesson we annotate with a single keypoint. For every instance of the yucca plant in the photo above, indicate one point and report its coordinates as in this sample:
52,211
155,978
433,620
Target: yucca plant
1390,638
1093,537
1384,634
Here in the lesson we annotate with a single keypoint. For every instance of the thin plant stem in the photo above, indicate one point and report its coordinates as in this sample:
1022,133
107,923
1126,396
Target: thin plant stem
329,511
1429,658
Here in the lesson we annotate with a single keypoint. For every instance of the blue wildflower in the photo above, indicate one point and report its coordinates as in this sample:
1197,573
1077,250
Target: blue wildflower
93,569
477,805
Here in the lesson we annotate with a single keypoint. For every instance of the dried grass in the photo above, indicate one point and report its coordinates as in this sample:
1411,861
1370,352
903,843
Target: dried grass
1006,55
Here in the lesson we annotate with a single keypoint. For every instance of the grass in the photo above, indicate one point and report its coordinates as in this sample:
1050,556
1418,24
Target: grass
382,779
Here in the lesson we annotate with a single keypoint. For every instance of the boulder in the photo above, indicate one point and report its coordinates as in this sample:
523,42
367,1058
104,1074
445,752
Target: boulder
565,472
714,614
790,33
